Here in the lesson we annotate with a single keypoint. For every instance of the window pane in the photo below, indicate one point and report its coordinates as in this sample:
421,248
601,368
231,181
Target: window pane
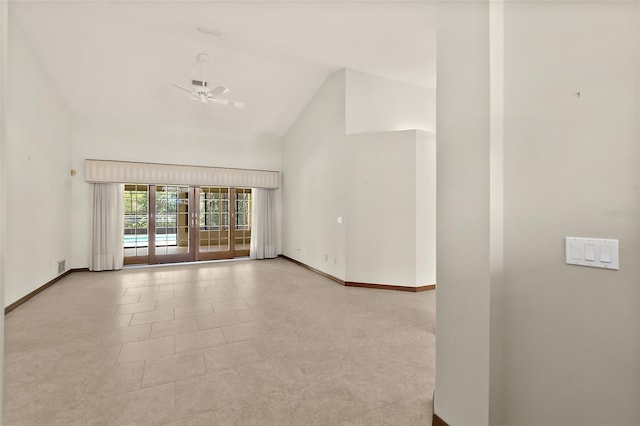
136,219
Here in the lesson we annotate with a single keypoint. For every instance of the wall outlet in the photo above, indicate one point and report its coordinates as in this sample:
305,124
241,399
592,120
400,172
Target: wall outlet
62,266
326,258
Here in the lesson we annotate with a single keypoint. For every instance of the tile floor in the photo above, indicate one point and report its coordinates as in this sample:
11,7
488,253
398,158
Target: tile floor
226,343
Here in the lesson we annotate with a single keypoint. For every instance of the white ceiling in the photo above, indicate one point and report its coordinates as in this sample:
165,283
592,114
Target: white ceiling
116,58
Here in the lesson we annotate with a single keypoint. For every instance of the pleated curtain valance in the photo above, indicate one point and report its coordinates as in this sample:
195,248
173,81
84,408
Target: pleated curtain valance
147,173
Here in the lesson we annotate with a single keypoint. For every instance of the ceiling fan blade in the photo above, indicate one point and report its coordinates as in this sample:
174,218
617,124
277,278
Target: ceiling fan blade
182,88
218,91
220,101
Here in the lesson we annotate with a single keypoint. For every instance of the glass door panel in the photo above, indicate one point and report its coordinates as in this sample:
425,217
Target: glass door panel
242,232
136,224
172,224
213,219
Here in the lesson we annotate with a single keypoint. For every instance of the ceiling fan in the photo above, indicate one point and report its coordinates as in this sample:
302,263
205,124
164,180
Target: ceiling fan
201,91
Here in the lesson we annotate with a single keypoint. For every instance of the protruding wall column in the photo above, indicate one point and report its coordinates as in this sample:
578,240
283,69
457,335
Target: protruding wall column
463,214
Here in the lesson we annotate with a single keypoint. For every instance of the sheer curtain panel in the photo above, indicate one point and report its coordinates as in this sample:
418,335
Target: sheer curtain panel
264,232
108,227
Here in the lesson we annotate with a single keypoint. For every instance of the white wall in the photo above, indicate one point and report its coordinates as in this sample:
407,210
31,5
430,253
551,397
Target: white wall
146,142
381,238
570,335
391,206
37,153
328,174
496,216
463,214
314,181
425,204
376,104
572,332
4,17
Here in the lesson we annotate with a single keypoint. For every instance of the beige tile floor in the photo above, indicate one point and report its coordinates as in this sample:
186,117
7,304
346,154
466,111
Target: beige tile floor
226,343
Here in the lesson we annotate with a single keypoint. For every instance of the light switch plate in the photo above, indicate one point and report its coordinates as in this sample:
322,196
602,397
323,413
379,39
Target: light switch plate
593,252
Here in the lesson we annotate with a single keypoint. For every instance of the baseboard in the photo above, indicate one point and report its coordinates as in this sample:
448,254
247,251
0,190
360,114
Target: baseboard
391,287
317,271
437,421
20,301
363,285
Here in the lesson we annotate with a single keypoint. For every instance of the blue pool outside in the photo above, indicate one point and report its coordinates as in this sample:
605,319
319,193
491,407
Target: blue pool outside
143,240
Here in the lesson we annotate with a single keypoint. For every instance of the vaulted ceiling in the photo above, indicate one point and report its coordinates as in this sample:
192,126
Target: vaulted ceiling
117,59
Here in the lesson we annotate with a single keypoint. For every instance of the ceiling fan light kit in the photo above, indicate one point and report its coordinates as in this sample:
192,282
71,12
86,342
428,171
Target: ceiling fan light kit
201,91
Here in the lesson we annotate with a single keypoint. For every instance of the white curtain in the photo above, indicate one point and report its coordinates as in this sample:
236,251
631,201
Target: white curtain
264,232
108,227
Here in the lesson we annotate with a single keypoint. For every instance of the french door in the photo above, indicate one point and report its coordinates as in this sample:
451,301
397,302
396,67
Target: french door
224,220
171,225
177,223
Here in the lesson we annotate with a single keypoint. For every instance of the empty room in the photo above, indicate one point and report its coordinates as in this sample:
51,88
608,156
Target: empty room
264,212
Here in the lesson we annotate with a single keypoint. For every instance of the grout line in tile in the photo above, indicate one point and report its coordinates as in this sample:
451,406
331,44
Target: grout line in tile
204,360
144,369
175,404
174,344
115,362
